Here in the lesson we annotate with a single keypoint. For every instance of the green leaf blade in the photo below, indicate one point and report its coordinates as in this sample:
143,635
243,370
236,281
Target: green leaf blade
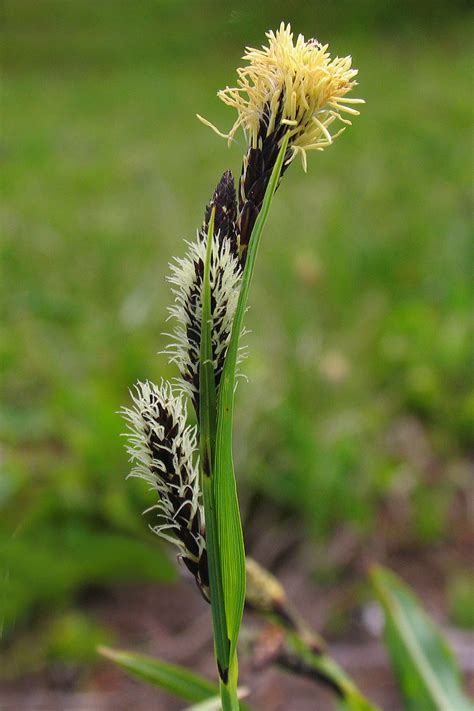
172,678
231,541
207,421
423,662
219,622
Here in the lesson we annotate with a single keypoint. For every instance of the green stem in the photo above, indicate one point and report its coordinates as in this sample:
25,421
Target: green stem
229,699
231,541
207,423
232,683
219,625
226,555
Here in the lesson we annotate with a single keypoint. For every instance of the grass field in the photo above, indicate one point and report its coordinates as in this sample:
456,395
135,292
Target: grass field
360,396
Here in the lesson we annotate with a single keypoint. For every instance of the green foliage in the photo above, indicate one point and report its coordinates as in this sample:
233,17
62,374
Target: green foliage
224,529
230,528
208,419
170,677
424,664
174,679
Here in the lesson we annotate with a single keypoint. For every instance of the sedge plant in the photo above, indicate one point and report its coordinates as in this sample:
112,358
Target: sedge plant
289,97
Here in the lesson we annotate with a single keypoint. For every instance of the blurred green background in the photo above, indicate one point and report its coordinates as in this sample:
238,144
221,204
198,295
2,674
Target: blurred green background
360,409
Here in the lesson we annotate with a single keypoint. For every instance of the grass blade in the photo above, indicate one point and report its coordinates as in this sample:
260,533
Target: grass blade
231,542
170,677
423,662
219,622
207,417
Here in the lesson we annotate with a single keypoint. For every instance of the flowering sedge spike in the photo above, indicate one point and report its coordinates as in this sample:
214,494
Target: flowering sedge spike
163,449
187,280
287,87
287,99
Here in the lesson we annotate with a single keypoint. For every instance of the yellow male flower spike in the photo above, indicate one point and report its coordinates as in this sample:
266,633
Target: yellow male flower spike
291,87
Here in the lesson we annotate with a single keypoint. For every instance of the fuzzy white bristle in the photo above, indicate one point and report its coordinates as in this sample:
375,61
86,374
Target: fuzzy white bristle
162,448
186,278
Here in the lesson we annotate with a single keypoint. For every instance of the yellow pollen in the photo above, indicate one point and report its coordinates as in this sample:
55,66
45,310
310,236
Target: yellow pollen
294,84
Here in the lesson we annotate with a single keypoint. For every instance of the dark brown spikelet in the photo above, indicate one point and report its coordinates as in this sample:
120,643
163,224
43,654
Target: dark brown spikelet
162,447
224,201
187,279
257,168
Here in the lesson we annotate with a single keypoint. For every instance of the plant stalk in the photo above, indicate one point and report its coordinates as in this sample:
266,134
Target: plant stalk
208,415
